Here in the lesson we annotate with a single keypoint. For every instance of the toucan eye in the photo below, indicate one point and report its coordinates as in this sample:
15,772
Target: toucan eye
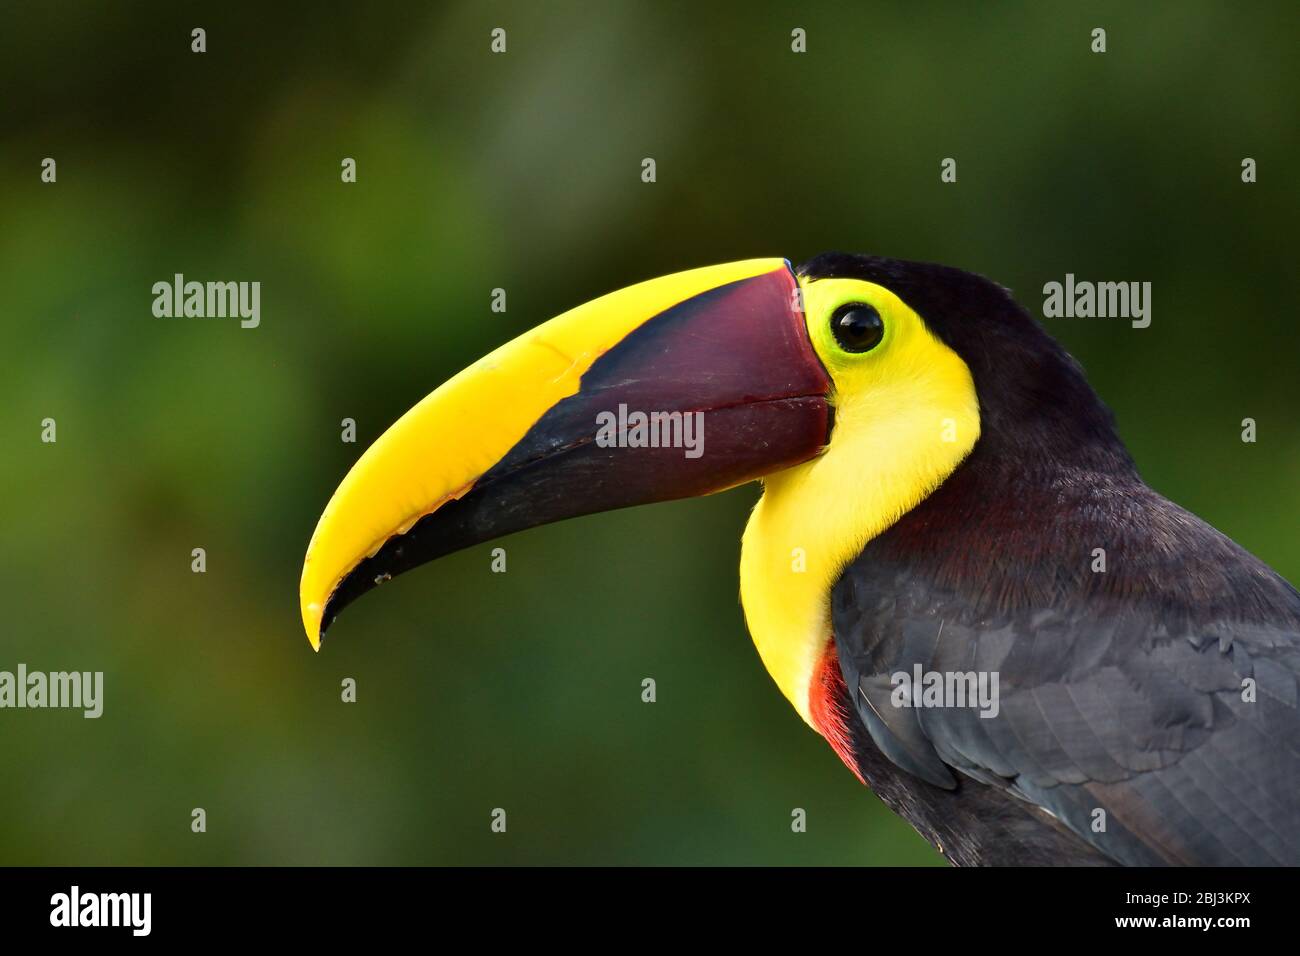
857,327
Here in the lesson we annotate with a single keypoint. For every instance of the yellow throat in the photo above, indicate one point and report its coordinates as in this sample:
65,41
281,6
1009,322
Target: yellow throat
906,415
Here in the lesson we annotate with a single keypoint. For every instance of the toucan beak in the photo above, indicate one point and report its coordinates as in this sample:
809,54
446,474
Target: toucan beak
672,388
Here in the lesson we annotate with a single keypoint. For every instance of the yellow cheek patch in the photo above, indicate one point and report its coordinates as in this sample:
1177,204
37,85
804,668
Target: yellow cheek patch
906,415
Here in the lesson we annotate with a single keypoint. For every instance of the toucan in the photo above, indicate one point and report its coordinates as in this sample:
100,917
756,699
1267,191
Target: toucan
954,572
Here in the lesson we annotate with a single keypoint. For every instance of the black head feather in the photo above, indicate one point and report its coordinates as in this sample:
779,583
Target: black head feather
1035,404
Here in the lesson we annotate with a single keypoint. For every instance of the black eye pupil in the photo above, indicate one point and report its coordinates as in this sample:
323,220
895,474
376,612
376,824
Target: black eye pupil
857,327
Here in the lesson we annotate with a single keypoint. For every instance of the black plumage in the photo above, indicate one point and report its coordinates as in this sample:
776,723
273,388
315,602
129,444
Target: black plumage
1162,692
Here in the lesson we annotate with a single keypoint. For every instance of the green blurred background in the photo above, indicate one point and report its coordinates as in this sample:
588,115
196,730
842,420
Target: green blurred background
475,171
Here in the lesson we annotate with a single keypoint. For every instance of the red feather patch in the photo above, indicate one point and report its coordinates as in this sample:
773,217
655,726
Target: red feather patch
826,707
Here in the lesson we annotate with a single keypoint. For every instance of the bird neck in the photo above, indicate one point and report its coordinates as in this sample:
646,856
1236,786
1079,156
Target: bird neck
815,518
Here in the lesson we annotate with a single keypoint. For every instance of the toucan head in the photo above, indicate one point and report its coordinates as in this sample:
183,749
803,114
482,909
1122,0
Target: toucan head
851,387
